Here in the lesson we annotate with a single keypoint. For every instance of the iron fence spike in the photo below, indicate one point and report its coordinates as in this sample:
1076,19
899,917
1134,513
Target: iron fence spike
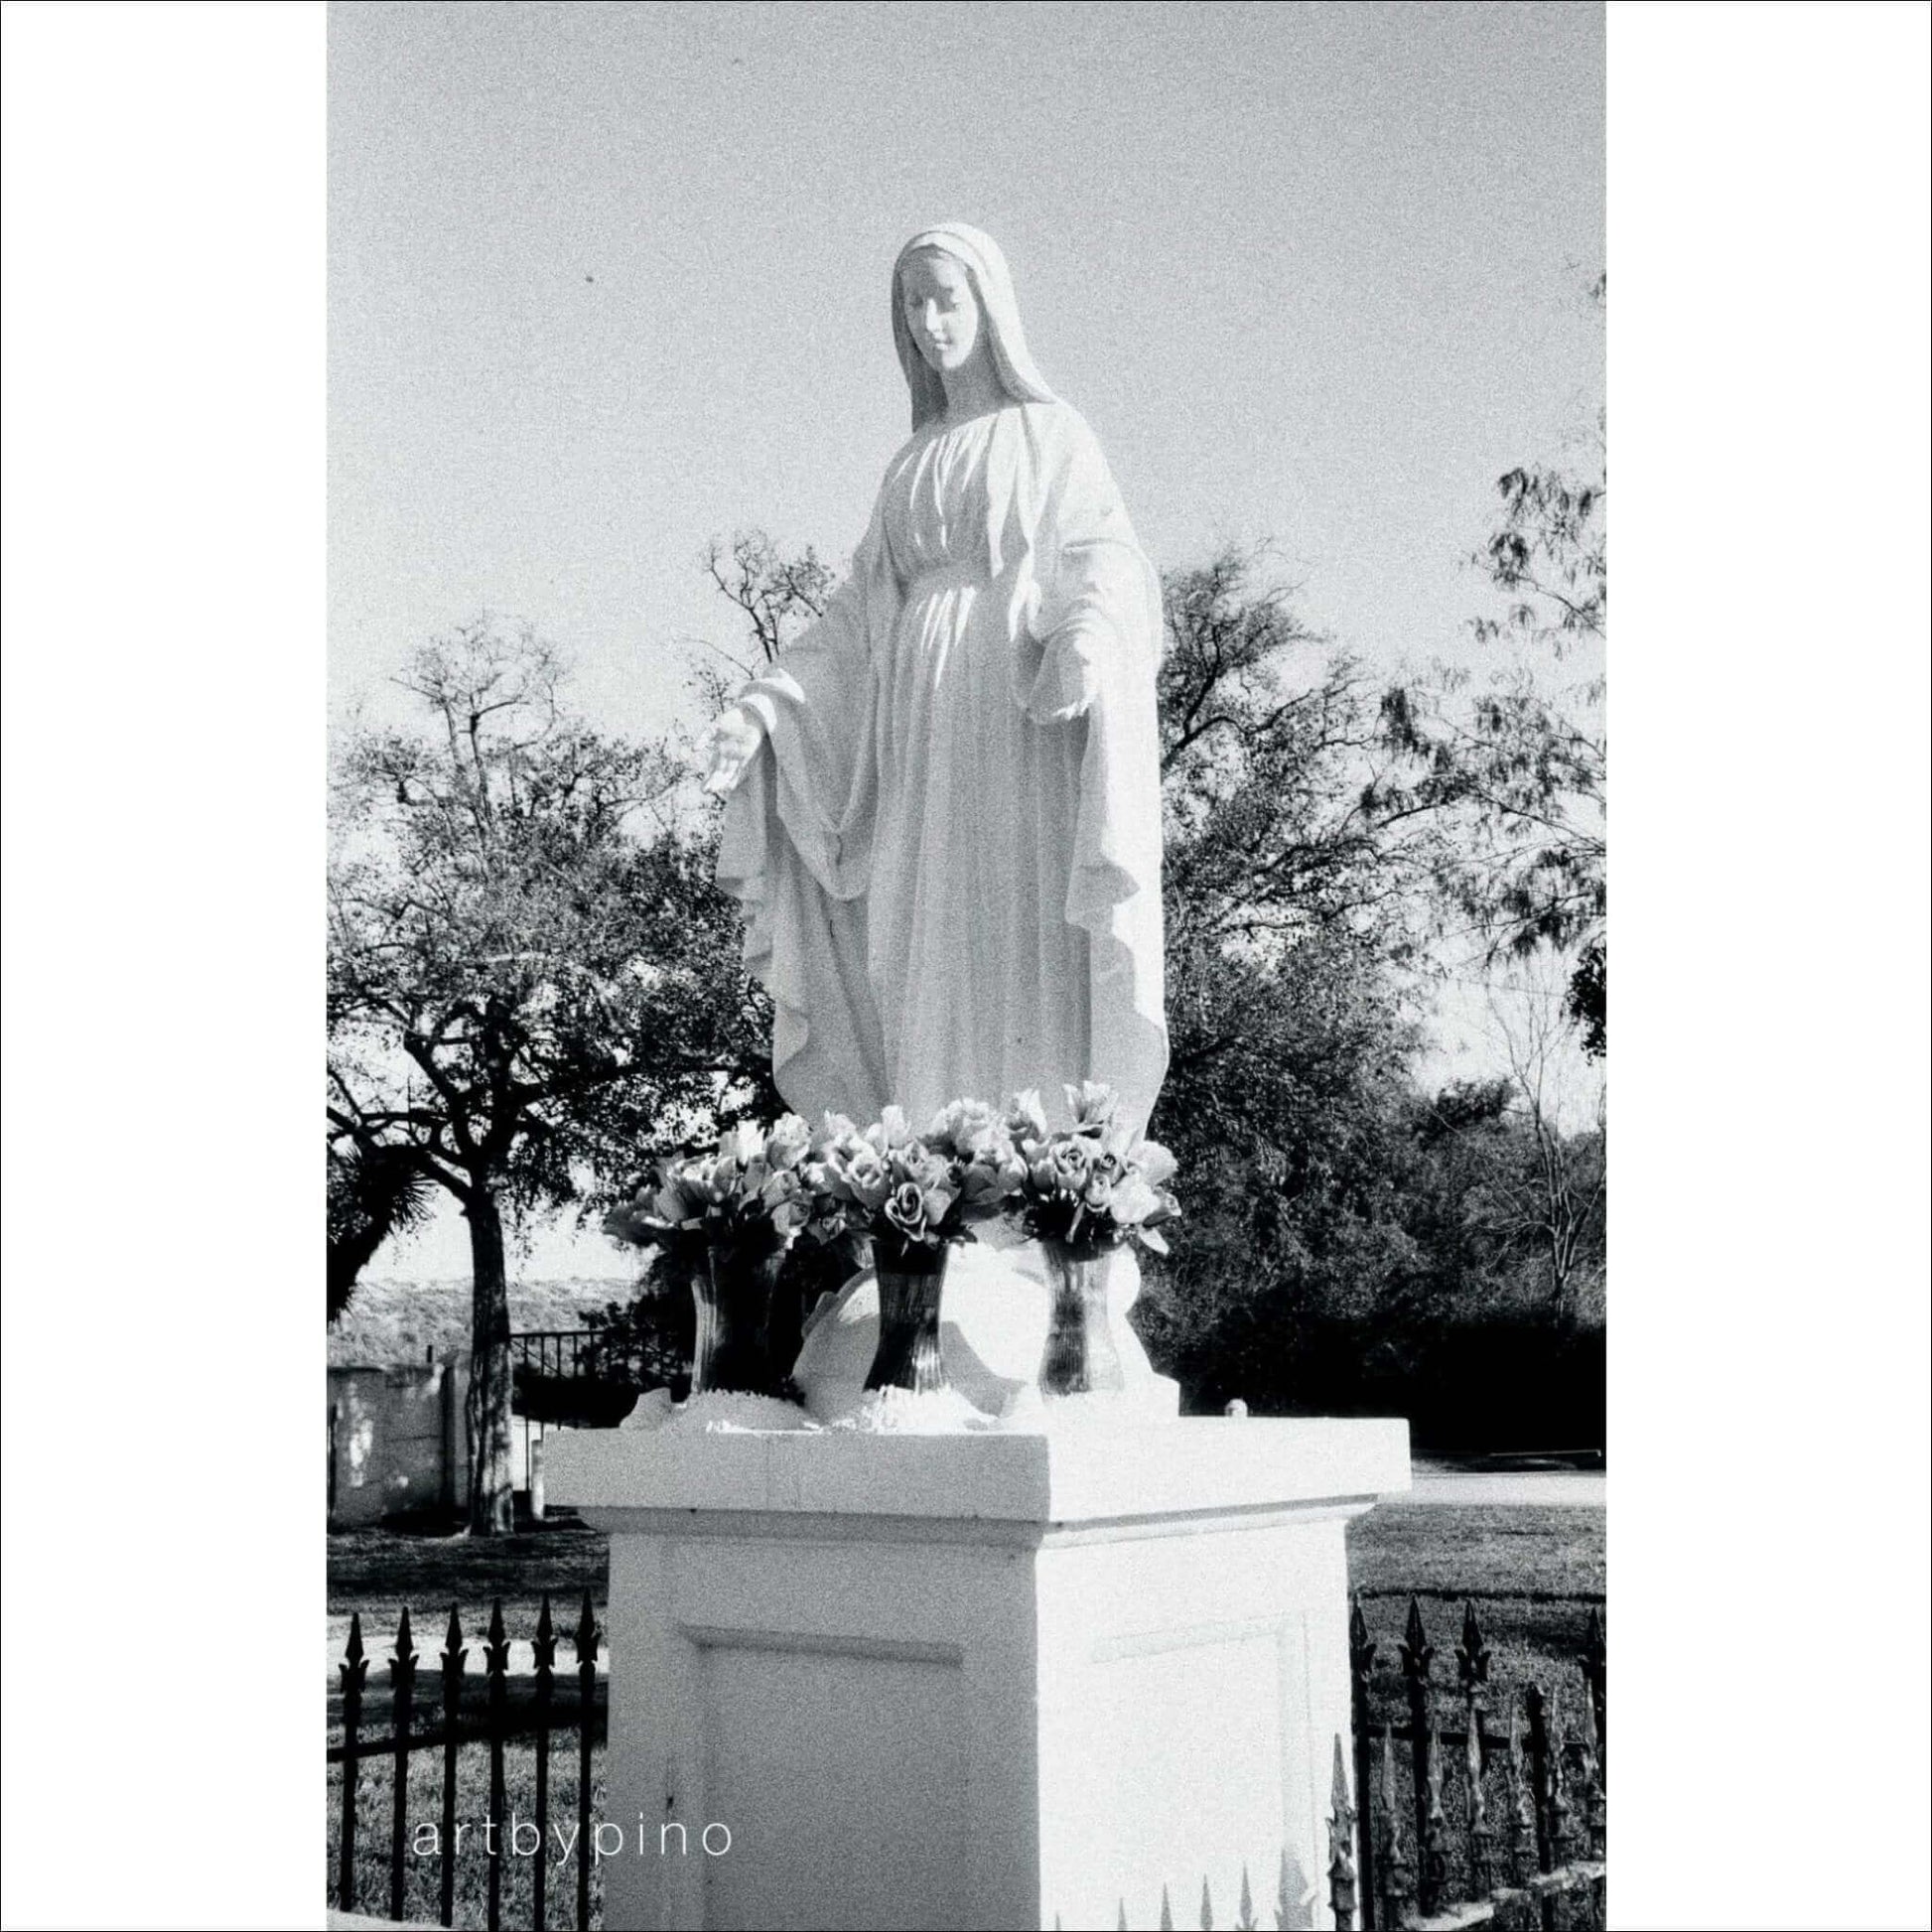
1361,1652
1417,1651
1472,1654
496,1644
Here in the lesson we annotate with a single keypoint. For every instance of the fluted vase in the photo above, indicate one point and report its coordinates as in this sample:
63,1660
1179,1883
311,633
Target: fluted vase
731,1348
1081,1357
912,1279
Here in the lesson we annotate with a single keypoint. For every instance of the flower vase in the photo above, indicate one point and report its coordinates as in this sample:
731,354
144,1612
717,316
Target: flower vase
731,1348
911,1279
1081,1357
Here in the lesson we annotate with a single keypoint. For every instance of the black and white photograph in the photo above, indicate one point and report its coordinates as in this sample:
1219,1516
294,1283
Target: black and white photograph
967,965
956,903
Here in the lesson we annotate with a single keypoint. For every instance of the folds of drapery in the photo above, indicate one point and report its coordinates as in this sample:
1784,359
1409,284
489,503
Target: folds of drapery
796,844
1083,612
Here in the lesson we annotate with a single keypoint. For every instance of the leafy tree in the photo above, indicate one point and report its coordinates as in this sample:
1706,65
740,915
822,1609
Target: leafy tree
1288,894
1274,779
1292,899
532,977
1518,765
1300,881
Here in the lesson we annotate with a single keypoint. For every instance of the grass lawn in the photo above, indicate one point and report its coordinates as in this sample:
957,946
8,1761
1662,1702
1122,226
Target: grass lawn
1533,1575
378,1571
422,1866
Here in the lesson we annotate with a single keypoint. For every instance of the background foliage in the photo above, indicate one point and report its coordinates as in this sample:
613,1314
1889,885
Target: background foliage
536,987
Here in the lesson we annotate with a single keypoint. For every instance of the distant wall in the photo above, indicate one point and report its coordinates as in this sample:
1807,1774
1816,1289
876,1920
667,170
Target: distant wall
397,1439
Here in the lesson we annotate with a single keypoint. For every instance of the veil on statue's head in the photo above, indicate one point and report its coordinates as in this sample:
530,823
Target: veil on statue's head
985,268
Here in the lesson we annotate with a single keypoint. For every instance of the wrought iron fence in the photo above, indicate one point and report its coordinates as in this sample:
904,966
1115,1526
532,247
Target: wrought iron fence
535,1712
552,1351
1503,1818
564,1377
1496,1818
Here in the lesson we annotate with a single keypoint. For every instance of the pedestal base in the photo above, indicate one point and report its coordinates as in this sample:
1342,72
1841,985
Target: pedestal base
975,1681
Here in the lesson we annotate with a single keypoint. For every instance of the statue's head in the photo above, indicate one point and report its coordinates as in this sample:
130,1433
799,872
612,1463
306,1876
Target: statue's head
953,302
940,309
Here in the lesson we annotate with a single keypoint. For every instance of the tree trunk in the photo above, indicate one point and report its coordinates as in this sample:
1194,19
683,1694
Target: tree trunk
492,1511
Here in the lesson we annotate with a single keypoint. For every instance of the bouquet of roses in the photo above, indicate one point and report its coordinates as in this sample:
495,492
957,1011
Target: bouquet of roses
1092,1185
908,1192
751,1194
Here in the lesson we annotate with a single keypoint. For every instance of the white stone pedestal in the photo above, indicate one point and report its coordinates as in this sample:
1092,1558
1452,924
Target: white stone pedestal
988,1680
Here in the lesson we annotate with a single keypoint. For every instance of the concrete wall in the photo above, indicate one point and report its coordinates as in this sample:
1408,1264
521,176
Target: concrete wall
397,1439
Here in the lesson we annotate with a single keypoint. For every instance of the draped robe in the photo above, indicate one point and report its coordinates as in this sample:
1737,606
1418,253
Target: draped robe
948,848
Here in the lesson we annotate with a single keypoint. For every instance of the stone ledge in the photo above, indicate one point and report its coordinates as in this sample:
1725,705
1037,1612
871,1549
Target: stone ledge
1099,1476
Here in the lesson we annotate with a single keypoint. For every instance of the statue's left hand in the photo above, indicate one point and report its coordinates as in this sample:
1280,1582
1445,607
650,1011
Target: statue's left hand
731,744
1068,681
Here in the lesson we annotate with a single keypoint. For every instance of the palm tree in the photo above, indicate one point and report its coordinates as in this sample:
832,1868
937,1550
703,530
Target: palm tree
375,1191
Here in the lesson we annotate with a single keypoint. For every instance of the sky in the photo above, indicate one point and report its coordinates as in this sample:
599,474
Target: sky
605,281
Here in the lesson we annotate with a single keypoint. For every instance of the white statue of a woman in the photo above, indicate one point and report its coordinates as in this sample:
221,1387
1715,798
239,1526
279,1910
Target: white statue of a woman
944,820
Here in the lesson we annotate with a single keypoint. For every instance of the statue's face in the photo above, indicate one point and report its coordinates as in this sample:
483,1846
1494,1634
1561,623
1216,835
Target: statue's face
941,310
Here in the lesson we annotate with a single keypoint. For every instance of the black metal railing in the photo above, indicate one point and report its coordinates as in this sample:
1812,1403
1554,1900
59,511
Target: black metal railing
1502,1825
1435,1828
1496,1818
534,1713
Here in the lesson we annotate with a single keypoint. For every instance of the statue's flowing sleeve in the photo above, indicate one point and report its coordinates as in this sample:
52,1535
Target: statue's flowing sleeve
796,843
1087,654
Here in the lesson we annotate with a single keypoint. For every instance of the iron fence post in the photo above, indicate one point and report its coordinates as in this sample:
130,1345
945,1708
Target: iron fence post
402,1679
1362,1656
1418,1656
1397,1886
1341,1859
586,1639
545,1650
1593,1793
1595,1669
1522,1815
1540,1774
354,1668
496,1657
1472,1676
453,1656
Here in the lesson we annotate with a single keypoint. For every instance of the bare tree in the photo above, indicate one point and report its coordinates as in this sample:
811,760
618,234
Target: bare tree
1518,765
1552,1206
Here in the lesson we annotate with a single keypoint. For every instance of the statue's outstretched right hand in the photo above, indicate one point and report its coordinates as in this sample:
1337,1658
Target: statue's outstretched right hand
732,743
